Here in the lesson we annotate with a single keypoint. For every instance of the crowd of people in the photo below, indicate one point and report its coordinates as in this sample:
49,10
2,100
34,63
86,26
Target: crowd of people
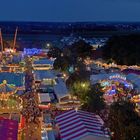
30,108
30,111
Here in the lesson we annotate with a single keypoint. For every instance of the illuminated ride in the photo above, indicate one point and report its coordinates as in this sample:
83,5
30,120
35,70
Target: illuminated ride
115,83
12,48
136,99
11,104
6,90
9,101
116,86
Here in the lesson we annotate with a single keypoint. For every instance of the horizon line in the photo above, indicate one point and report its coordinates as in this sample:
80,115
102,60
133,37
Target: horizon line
70,21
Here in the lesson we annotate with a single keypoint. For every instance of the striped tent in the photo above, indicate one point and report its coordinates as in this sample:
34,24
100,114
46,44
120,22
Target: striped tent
81,125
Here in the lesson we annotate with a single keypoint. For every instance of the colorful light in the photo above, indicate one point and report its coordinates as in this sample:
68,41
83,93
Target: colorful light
32,51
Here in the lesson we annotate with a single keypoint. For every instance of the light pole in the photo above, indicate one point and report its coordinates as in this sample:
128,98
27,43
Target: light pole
83,85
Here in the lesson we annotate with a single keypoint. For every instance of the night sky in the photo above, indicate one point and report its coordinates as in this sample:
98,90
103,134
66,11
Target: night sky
70,10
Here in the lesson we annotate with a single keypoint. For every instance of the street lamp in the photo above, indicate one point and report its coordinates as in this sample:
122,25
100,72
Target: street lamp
48,44
83,85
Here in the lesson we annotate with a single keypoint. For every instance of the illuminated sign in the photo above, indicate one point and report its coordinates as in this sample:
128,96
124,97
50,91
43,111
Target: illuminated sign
104,84
117,76
33,51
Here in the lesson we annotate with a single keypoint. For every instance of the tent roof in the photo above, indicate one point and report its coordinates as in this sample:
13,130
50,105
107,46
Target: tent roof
77,124
97,77
42,74
13,78
5,88
8,129
131,71
43,61
135,79
44,97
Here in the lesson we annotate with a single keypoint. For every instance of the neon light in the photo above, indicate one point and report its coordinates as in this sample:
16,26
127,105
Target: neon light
117,76
32,51
104,84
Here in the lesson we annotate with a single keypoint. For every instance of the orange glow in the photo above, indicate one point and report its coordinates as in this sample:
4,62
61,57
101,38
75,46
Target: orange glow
9,50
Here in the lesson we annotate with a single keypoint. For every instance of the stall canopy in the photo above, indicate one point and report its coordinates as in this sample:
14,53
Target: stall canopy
79,125
95,78
44,62
43,74
6,88
135,79
8,129
131,71
13,78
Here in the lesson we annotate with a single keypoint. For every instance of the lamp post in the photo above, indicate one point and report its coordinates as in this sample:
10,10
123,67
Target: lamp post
83,85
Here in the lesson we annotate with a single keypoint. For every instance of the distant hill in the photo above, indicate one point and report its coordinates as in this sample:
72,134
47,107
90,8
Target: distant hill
70,27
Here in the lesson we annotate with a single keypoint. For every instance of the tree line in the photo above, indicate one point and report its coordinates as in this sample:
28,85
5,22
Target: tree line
123,50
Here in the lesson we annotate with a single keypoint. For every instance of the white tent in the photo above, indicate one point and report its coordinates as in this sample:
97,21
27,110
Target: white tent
97,77
134,79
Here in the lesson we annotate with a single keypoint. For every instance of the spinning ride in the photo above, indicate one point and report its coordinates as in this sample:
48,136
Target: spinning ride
9,101
116,86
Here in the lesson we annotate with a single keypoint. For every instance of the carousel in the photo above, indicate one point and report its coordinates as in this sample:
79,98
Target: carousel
9,100
116,86
11,103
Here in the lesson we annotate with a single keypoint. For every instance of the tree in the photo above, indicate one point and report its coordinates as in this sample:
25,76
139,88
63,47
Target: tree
62,64
123,49
93,100
79,89
91,97
54,52
81,49
77,76
124,121
72,56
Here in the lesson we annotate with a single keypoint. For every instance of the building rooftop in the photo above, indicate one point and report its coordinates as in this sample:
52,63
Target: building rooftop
43,74
60,88
44,62
44,97
16,79
6,88
8,129
75,125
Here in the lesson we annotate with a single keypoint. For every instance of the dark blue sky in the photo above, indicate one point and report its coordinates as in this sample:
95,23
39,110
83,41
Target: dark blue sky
70,10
